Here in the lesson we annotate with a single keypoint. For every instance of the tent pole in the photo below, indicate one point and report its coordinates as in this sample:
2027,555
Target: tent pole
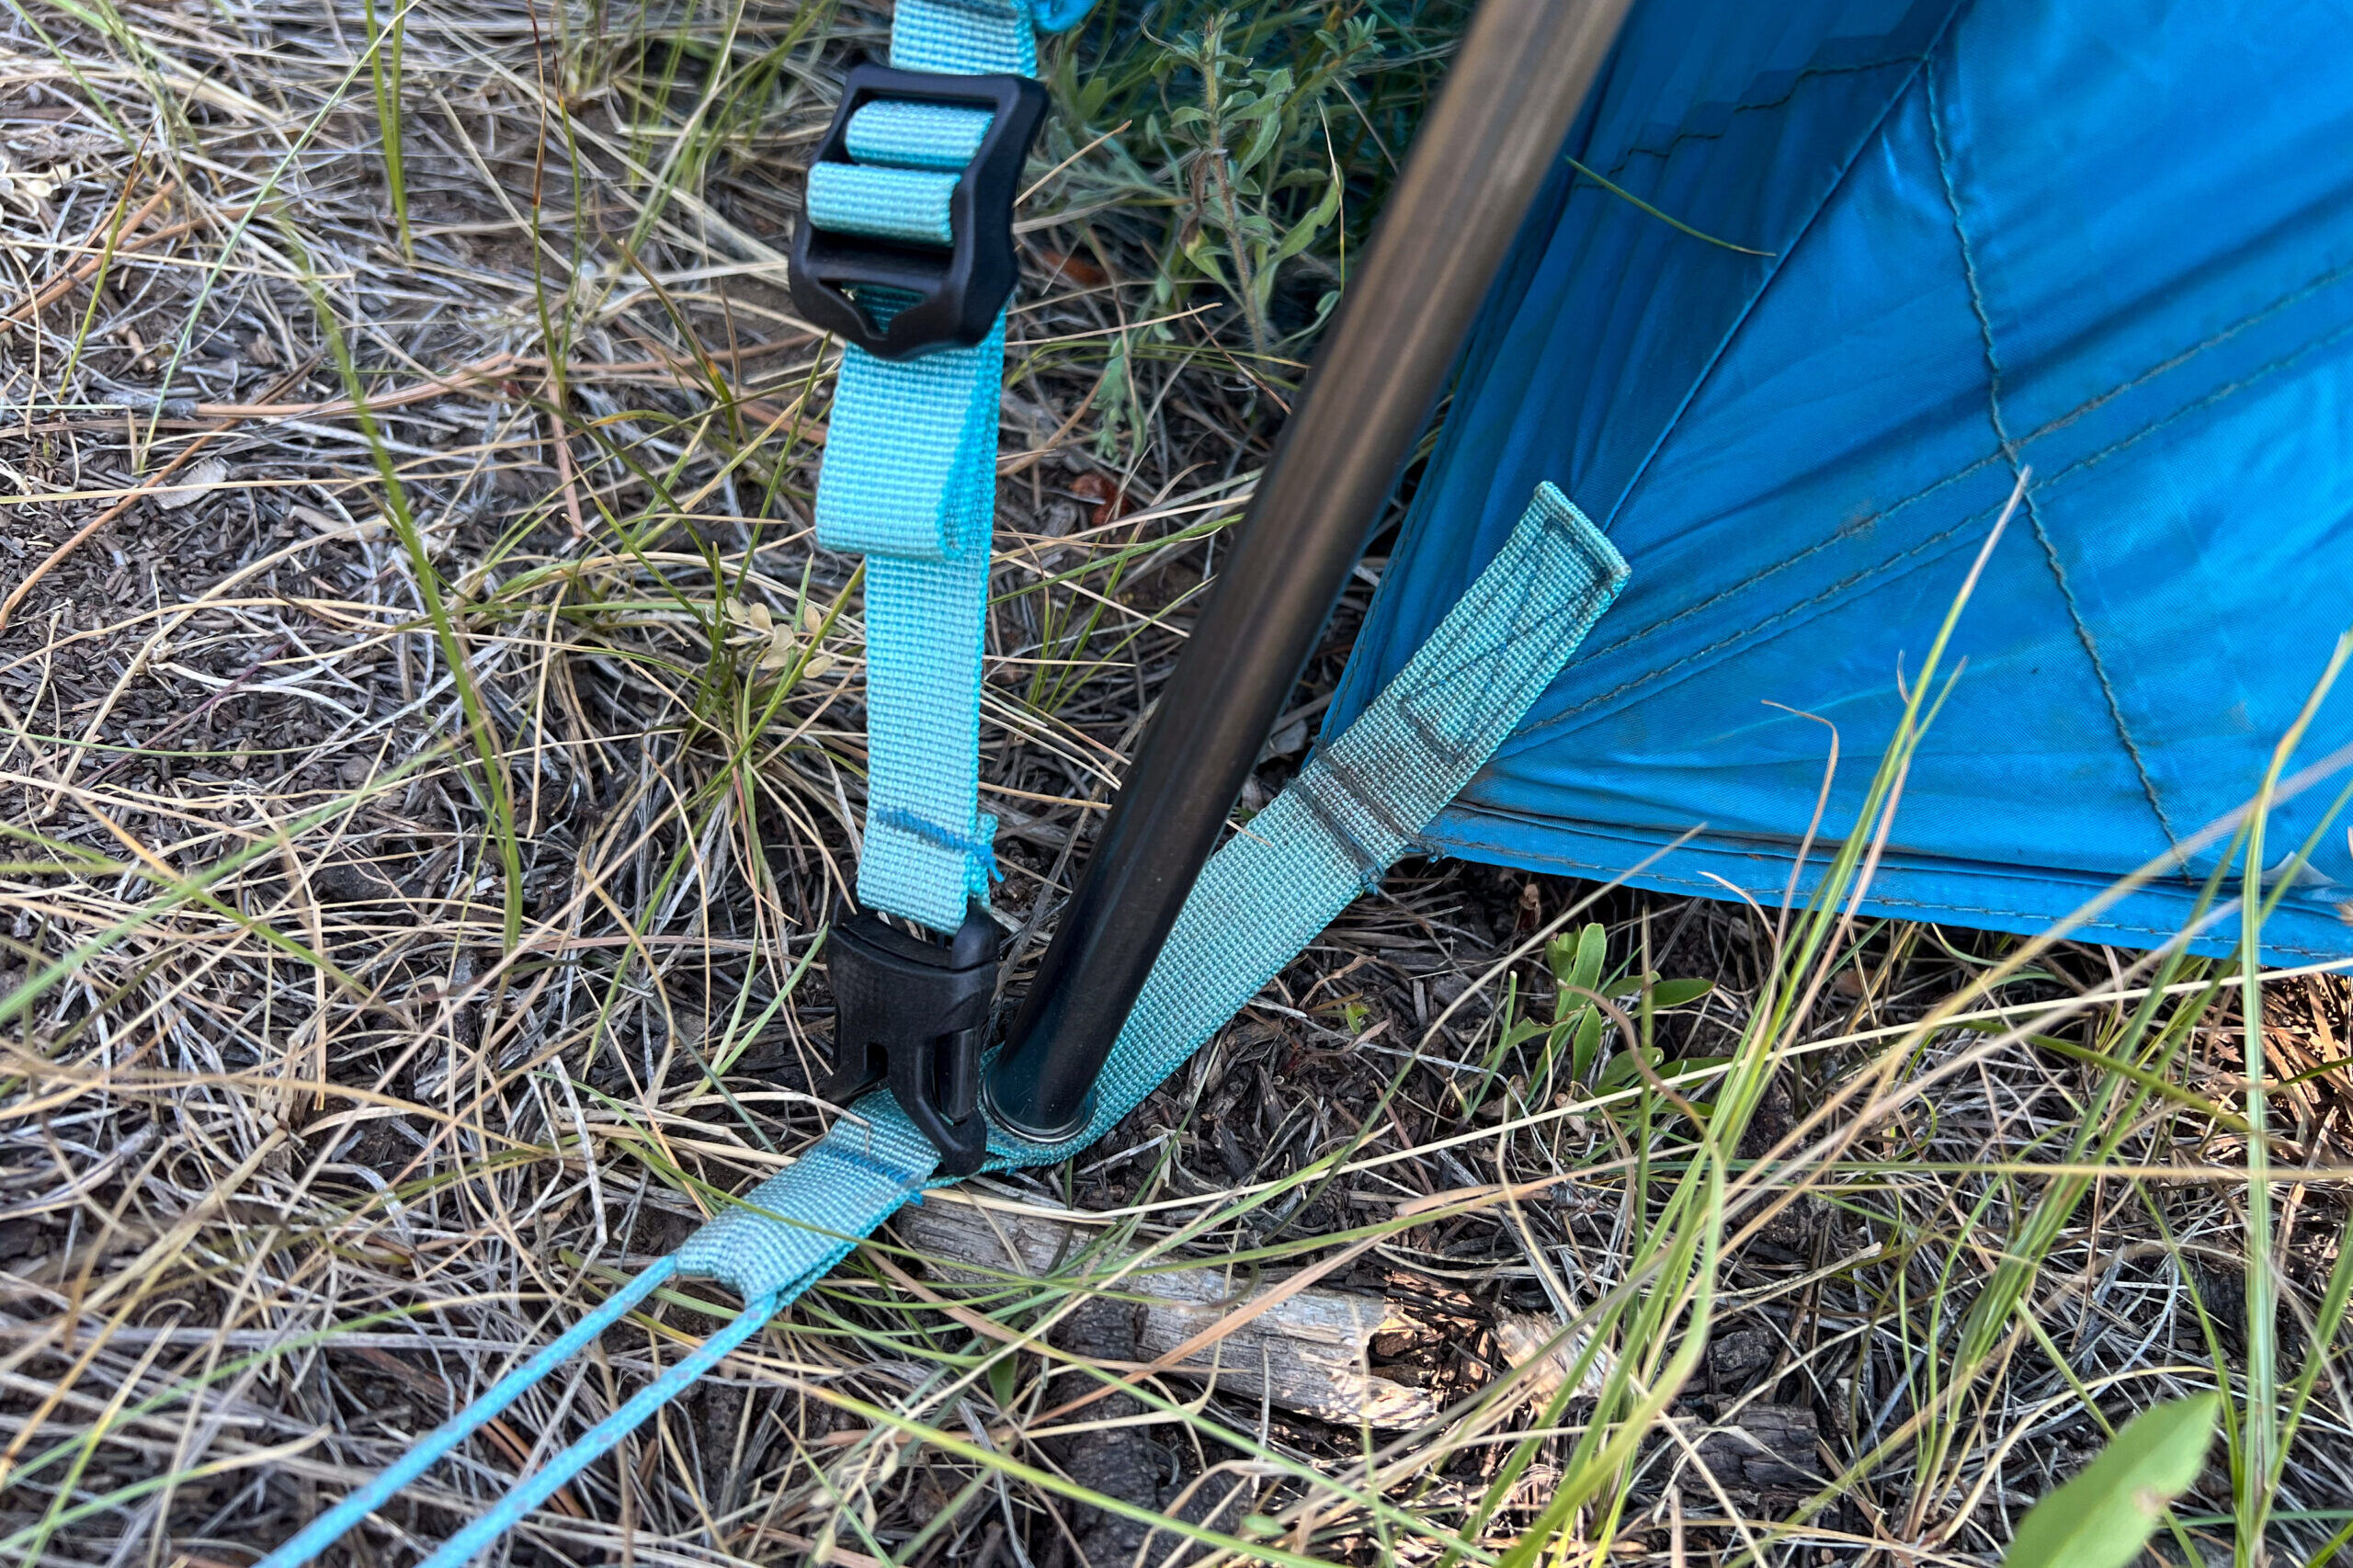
1517,81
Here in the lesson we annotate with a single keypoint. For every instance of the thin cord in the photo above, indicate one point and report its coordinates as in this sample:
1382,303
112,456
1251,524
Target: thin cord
527,1494
329,1527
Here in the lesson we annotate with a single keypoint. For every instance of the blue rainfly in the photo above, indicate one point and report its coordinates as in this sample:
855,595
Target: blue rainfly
2109,242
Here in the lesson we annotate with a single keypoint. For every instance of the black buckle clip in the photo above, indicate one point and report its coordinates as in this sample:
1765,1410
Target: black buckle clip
915,1015
958,290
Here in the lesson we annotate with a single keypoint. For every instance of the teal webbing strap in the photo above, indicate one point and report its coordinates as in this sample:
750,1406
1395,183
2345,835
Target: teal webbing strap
909,480
968,37
1354,809
917,136
910,205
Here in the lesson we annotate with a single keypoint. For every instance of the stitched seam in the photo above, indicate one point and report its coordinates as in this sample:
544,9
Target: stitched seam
1804,74
1443,746
1440,843
1791,562
2228,390
1347,782
1896,562
1732,331
1746,632
1494,633
2018,466
1369,866
2293,296
2061,422
932,834
1772,272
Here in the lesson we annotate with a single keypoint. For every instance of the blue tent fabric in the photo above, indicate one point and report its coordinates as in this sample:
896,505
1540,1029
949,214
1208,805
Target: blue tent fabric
2109,242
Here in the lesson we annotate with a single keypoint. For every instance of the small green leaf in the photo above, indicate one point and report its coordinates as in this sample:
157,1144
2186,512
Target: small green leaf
1622,1072
2103,1517
1625,987
1676,993
1577,964
1001,1375
1304,232
1561,956
1587,1049
1522,1033
1202,253
1593,945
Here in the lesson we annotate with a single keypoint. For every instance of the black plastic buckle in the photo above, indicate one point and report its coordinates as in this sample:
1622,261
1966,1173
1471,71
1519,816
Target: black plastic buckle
959,288
915,1015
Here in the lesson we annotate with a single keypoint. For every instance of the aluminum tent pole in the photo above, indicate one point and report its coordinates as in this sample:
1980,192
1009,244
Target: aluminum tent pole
1517,81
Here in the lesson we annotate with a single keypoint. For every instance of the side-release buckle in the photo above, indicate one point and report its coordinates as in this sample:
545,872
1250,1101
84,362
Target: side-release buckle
919,296
914,1014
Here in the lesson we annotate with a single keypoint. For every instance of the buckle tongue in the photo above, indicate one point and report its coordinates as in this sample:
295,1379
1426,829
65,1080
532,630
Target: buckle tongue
915,1015
917,295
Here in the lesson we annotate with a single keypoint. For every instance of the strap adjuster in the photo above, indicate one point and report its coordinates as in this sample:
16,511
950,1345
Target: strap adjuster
915,1015
921,296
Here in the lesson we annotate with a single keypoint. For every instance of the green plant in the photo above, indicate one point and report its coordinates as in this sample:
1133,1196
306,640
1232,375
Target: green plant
1255,196
1239,156
2102,1518
384,41
1584,1004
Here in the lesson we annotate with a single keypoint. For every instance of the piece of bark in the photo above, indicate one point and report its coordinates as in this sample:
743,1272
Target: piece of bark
1116,1461
1307,1353
1762,1447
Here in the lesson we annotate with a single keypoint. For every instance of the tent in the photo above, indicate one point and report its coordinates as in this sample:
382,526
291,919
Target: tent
1863,262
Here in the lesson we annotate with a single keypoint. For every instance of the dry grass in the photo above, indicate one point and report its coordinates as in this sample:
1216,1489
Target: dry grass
423,815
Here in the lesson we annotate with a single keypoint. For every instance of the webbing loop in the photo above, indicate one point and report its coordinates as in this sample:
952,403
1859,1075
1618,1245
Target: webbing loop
1261,899
909,480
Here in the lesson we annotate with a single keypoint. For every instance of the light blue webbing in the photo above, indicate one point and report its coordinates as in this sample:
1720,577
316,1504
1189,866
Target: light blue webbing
891,204
1356,806
909,480
917,136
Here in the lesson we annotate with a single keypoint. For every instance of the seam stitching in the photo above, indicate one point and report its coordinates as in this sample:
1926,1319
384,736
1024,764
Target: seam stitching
1442,844
1798,81
1892,563
2018,465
